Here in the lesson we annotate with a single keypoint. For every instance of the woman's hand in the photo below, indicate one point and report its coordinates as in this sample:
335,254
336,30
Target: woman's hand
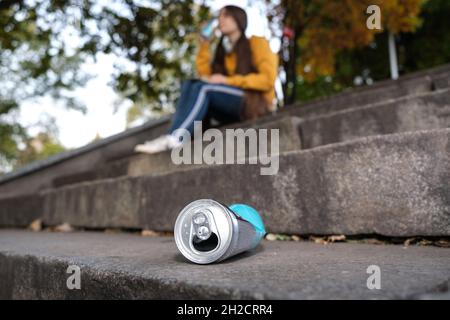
201,40
217,78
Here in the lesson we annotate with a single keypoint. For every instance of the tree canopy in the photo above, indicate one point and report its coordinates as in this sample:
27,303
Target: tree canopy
324,29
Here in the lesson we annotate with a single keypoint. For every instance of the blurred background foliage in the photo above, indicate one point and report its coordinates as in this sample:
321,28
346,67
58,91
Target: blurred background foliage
325,48
332,49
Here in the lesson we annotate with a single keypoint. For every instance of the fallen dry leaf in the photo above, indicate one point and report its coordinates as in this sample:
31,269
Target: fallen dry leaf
283,237
271,237
149,233
336,238
65,227
36,225
425,242
373,241
443,243
409,241
318,240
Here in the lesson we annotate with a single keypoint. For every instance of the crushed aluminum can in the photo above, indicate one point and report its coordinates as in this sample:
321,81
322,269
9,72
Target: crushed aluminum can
207,231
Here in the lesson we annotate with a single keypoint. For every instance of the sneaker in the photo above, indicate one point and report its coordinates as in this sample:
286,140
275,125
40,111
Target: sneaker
163,143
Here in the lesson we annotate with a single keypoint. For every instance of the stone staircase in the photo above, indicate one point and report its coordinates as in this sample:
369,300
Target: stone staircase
370,161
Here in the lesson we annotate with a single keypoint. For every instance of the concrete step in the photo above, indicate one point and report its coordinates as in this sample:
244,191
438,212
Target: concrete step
394,185
441,81
124,266
412,84
424,111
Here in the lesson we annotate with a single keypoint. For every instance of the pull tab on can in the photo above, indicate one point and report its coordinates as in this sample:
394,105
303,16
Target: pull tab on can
207,231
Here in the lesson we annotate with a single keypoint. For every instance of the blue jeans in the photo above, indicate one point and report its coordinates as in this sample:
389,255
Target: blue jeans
200,99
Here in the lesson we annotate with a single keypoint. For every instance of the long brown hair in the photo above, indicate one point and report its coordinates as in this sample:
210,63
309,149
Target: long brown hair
254,103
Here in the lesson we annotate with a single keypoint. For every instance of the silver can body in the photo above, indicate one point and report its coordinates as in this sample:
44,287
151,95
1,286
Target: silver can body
207,231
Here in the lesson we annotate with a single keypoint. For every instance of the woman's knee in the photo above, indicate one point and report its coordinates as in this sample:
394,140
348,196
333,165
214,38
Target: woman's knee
192,93
189,88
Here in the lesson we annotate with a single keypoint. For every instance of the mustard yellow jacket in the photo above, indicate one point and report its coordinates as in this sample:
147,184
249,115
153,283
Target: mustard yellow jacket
264,60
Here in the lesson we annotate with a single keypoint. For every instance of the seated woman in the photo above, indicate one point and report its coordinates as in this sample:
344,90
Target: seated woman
238,84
